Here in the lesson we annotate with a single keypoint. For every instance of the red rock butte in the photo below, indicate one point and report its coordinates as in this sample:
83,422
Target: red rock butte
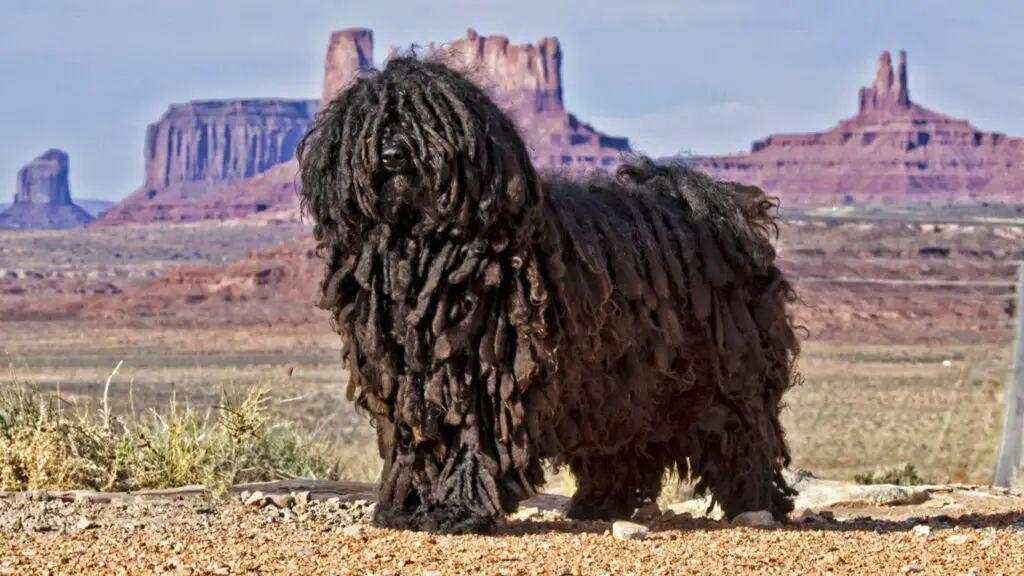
524,79
893,151
42,199
230,159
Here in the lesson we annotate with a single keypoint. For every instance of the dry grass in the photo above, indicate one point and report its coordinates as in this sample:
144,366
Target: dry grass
903,475
861,409
866,408
47,442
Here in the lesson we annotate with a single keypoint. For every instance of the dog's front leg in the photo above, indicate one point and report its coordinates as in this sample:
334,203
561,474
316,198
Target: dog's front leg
464,496
428,487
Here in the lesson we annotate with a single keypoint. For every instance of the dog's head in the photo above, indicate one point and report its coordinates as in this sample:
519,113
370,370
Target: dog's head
419,146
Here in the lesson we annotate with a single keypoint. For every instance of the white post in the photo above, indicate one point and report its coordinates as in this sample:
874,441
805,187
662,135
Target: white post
1012,445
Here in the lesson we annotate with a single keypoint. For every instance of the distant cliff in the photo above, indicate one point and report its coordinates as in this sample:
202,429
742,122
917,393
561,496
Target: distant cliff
526,79
202,146
893,151
42,198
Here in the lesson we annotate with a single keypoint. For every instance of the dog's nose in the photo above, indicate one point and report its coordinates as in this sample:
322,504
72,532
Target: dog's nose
394,158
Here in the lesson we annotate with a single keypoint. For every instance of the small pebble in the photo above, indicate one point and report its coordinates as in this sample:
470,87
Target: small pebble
758,519
85,523
959,539
808,516
257,498
526,513
353,530
623,530
646,513
283,500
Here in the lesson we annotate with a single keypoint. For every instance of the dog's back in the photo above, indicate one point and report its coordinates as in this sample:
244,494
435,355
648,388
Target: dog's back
653,256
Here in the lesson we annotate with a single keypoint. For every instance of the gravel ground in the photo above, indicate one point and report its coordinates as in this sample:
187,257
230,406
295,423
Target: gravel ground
302,532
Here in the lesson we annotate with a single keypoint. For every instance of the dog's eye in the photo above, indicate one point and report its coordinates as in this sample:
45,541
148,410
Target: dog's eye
394,157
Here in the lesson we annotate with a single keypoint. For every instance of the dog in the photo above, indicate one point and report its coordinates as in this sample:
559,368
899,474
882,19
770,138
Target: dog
494,318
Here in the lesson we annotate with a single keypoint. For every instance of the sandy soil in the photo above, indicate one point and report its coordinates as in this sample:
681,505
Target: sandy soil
923,383
957,532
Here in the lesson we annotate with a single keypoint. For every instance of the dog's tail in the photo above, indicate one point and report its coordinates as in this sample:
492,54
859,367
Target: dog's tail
733,224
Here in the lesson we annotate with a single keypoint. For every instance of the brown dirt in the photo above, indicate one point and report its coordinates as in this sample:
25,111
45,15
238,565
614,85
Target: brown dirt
859,281
895,373
969,531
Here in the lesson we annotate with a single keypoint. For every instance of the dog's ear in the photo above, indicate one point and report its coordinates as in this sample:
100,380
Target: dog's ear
325,193
514,191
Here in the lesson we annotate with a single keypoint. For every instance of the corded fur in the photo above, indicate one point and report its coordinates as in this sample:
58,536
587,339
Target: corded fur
622,325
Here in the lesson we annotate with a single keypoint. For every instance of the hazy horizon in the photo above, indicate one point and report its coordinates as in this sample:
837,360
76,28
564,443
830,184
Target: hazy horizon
706,77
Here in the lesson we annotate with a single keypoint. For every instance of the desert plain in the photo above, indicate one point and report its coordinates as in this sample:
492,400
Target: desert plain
907,343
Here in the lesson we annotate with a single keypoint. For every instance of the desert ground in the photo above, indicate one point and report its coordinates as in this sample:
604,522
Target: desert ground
909,330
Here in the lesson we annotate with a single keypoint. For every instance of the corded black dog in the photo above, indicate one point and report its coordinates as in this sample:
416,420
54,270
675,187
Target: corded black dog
493,319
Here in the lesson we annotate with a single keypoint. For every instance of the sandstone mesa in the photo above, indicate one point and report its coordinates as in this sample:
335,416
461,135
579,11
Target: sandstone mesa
42,198
893,151
202,146
235,159
184,149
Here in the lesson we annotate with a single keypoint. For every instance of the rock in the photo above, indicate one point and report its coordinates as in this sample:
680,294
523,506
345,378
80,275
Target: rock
526,80
37,496
42,198
219,174
922,530
959,539
623,530
282,500
353,530
697,507
45,180
526,513
646,513
348,52
808,516
85,523
890,92
819,493
668,515
301,500
911,568
199,147
893,151
756,519
257,498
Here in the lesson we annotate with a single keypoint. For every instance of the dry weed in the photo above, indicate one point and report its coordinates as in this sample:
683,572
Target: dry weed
44,446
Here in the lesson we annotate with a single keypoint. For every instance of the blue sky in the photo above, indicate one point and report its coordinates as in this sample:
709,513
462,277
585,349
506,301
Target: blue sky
706,76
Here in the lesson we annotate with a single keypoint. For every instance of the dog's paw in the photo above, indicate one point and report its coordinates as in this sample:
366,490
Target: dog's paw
452,518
